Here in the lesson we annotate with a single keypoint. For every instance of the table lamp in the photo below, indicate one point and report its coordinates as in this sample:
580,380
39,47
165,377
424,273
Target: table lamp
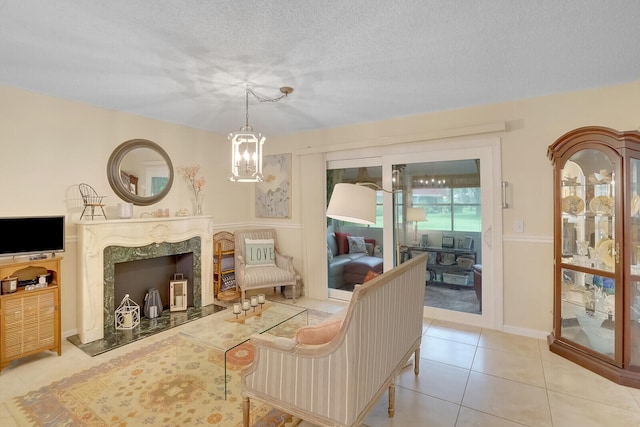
416,215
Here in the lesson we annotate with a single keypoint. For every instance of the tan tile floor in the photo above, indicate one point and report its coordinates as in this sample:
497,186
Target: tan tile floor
468,377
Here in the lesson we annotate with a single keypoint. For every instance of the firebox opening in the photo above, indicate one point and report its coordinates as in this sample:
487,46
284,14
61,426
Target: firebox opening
137,277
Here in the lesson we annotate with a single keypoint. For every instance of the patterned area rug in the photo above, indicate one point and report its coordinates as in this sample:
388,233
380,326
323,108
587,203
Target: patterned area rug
174,382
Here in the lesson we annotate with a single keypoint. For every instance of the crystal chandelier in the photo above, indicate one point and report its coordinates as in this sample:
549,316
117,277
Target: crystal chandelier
246,145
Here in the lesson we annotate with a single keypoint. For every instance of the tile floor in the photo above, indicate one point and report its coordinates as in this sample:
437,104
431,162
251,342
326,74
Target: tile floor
468,377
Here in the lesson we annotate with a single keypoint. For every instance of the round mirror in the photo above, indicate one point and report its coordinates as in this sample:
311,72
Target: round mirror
140,172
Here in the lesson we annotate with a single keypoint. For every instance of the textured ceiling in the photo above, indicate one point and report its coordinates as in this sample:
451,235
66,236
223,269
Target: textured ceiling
349,61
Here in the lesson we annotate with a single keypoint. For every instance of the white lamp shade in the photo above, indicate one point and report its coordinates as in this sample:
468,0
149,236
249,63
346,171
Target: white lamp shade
416,214
353,203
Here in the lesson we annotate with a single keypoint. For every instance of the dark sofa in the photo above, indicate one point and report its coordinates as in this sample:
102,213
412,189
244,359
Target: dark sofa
347,268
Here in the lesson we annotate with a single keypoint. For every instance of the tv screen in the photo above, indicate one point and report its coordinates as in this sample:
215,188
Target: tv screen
31,235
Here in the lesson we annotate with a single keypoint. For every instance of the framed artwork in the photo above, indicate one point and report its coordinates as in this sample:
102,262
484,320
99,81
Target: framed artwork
273,195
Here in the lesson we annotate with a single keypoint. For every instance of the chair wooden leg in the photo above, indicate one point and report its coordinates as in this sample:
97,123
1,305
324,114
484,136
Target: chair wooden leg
416,362
245,411
392,399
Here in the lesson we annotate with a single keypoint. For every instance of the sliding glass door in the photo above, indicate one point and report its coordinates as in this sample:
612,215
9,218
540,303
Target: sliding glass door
438,198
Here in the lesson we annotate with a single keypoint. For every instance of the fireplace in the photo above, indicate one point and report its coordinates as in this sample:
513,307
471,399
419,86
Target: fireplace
104,243
134,271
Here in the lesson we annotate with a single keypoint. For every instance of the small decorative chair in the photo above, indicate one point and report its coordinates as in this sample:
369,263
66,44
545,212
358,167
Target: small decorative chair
92,200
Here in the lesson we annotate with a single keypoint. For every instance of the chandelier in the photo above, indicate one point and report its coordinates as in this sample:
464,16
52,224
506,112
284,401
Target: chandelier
246,145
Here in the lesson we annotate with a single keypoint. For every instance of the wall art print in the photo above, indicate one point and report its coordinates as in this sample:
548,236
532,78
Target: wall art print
273,195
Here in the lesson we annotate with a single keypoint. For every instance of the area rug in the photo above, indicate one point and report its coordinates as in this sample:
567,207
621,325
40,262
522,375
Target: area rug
175,382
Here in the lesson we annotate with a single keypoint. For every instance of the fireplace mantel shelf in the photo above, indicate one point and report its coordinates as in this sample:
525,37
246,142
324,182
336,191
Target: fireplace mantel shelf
141,219
95,236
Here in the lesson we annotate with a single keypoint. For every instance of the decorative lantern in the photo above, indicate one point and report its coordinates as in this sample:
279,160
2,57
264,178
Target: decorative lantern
127,314
178,293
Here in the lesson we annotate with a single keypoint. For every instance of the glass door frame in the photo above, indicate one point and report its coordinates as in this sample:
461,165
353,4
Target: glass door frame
488,150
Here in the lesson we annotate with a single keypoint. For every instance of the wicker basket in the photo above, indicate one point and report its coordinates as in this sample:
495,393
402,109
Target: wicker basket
465,263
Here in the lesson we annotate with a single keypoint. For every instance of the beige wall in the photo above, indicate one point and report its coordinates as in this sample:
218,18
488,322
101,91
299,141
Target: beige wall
50,145
531,126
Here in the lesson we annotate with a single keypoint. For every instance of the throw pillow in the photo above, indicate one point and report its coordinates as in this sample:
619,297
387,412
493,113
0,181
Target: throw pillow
343,244
259,252
370,275
321,333
356,245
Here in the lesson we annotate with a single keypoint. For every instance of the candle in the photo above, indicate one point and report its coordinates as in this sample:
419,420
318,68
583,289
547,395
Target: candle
254,301
245,305
127,320
236,308
261,298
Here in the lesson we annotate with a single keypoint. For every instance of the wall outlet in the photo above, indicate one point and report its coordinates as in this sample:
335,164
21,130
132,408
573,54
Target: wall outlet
518,226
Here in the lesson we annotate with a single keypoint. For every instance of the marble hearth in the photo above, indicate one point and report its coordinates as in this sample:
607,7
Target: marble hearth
134,239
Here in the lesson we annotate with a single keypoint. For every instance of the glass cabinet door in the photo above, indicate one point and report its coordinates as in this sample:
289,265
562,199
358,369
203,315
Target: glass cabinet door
590,253
633,241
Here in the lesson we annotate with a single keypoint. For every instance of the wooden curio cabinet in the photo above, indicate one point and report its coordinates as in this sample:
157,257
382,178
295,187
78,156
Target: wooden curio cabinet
596,319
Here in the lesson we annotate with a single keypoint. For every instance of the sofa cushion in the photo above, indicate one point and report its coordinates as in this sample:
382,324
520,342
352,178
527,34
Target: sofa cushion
370,275
332,243
259,252
356,245
343,244
321,333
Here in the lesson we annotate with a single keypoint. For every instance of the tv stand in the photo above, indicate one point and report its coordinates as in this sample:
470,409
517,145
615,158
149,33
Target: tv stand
30,319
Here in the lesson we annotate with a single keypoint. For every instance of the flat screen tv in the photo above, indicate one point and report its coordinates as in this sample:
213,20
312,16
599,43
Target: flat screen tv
31,235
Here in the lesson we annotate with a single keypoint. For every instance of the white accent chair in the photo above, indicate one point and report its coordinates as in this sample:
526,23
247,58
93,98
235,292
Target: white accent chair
255,277
337,383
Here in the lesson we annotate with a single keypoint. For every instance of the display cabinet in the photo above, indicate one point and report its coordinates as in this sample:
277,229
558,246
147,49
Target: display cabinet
597,251
30,317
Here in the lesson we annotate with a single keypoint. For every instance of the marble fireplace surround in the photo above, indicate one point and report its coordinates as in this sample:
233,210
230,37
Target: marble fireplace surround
95,236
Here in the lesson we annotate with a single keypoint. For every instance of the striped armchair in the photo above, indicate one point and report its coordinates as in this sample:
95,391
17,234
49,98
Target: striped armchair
273,269
337,383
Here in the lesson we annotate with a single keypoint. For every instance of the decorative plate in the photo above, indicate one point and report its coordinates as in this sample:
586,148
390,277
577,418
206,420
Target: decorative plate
572,205
602,205
605,250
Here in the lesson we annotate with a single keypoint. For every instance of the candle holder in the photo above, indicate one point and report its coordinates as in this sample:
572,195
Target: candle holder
261,300
254,303
245,307
237,308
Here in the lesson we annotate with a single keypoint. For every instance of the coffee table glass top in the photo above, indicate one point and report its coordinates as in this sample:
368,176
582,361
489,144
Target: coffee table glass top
230,331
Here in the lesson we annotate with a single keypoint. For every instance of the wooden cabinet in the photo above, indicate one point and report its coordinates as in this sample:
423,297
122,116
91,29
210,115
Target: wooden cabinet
597,251
30,319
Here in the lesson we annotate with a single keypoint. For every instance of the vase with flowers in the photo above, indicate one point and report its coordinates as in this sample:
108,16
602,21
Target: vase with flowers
190,173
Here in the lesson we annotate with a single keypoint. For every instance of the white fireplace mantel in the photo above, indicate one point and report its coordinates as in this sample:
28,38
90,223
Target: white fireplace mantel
95,236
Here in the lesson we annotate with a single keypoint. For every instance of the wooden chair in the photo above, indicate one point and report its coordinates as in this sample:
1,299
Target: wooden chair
92,200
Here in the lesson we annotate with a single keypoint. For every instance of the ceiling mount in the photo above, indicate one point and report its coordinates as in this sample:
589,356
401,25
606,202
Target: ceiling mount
286,90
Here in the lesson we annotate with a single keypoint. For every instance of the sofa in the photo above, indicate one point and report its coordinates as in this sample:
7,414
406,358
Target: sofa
334,373
350,258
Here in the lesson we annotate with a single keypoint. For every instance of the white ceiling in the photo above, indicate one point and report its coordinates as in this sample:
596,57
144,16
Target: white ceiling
350,61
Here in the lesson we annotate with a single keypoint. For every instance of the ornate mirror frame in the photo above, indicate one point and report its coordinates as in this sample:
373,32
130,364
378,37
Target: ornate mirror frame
114,172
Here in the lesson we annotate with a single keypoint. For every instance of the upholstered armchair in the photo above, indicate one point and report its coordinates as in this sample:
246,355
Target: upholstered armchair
260,263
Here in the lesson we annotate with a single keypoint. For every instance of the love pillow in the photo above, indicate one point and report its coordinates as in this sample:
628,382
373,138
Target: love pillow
259,252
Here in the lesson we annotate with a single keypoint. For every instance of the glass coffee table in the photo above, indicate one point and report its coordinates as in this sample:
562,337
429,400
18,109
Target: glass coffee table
231,331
